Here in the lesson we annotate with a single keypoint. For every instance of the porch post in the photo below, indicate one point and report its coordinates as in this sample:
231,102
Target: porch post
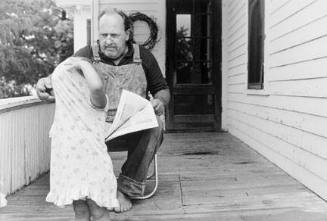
94,21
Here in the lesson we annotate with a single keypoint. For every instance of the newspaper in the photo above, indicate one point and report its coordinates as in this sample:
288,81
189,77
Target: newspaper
134,113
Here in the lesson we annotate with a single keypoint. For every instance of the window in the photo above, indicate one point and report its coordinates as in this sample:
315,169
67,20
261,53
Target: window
256,44
194,41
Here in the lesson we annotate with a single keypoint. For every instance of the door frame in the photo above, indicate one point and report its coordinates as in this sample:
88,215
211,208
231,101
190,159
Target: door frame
171,126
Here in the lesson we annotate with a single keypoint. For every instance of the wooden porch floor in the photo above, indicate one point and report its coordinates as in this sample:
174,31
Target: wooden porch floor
203,176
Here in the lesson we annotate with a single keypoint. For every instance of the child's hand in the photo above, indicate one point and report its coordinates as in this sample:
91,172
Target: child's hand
73,62
78,64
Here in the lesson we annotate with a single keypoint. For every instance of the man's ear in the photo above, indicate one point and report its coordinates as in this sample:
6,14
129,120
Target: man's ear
128,34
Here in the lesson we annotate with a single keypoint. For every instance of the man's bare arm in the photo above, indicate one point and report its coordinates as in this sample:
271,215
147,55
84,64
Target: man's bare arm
44,89
160,100
163,96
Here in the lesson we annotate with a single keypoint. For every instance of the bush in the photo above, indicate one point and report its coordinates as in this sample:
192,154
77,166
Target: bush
33,40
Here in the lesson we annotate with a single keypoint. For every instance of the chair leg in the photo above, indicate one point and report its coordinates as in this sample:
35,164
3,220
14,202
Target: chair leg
155,173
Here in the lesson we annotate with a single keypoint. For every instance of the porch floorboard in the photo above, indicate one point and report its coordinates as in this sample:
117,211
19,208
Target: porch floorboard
203,176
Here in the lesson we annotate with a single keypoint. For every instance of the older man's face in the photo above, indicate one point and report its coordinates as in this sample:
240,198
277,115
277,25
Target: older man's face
112,36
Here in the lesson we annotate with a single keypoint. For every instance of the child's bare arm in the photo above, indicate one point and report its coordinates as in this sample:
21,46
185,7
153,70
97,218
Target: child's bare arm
97,95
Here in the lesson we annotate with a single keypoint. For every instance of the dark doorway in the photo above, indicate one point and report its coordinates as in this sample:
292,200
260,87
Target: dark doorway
193,64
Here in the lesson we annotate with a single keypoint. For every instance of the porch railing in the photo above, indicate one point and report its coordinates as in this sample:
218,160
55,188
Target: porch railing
24,141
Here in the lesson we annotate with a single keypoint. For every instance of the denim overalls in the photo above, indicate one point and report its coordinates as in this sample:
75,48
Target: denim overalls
130,77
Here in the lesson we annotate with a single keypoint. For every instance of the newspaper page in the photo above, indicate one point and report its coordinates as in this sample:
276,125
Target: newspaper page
134,113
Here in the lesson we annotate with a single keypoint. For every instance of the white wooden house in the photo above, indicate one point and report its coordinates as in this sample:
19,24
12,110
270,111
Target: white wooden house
285,119
279,108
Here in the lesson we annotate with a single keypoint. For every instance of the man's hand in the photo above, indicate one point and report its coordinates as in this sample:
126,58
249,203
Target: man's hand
158,106
44,89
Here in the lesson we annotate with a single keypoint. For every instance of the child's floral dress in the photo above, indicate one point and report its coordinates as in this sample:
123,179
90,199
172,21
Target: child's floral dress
80,164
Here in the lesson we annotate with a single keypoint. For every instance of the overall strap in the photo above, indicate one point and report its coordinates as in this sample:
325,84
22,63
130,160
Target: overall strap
137,56
95,51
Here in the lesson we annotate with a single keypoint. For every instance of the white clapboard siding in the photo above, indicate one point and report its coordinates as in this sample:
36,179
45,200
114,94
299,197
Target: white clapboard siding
314,49
294,33
155,9
303,70
268,130
305,105
287,120
282,14
25,143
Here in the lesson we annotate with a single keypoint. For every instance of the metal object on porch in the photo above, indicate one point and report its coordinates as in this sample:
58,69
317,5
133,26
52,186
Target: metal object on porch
154,174
156,180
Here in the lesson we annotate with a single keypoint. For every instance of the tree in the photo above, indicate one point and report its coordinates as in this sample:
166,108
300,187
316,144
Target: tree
183,55
33,40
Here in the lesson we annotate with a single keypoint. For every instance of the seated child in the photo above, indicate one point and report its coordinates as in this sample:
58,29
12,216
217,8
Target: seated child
81,170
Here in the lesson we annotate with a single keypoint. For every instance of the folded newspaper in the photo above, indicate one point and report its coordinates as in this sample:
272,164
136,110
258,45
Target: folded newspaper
134,113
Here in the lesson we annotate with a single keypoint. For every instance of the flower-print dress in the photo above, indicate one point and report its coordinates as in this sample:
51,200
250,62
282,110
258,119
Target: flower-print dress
80,164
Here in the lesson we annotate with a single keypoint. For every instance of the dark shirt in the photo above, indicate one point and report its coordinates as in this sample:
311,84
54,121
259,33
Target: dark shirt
155,80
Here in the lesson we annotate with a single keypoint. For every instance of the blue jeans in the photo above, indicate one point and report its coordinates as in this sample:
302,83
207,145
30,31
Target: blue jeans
141,146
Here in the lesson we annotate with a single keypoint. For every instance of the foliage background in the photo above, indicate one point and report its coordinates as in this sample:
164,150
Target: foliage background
35,36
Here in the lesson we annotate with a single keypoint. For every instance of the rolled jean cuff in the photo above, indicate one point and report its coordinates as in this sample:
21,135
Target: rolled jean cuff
130,187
